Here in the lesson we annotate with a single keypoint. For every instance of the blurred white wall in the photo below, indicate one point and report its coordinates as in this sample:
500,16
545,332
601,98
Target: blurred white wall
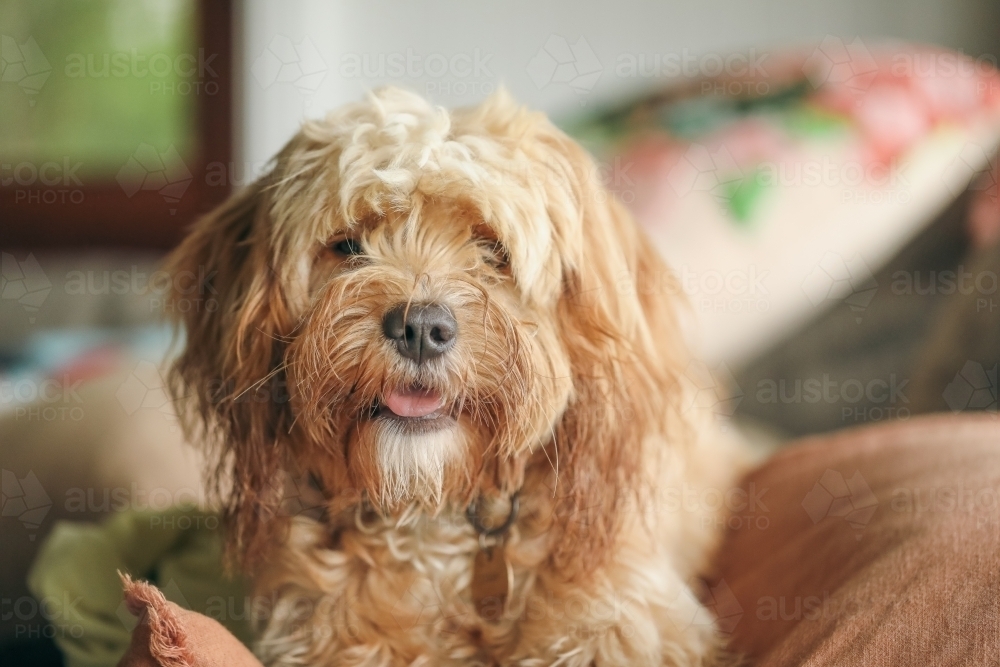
303,57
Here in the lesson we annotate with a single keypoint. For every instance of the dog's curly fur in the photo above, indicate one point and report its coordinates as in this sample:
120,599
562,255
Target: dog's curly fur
563,384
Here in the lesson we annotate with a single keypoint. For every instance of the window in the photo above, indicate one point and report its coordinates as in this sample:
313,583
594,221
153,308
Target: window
112,111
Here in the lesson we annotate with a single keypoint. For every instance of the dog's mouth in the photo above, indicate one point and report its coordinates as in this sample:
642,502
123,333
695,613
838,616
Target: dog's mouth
414,405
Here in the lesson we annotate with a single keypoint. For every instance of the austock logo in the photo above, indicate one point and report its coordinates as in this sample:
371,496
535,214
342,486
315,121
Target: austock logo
703,170
148,169
725,74
286,62
871,399
195,72
806,608
421,605
24,282
850,281
49,182
300,496
727,609
558,62
712,389
23,64
720,610
145,389
33,398
25,499
836,496
974,388
972,159
836,62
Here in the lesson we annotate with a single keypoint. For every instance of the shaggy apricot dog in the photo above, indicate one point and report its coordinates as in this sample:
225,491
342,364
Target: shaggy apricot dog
442,326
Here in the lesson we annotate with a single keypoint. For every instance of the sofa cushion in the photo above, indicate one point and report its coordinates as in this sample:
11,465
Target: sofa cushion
872,546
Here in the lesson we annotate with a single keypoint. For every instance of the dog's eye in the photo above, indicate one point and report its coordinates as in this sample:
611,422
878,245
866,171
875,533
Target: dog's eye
347,248
494,251
498,256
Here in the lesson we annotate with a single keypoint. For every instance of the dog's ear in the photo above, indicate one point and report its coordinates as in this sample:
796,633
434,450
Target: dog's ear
228,375
619,328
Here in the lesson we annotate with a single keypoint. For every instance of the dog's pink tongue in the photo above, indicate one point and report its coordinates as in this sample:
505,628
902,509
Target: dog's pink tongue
413,402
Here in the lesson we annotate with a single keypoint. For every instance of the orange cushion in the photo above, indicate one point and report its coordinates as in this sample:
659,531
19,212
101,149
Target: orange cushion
169,636
873,546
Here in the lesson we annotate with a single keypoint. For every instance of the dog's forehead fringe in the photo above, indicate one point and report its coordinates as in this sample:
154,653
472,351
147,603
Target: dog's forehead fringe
395,152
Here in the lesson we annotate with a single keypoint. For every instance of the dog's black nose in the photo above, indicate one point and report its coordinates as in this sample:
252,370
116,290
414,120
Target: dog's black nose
420,331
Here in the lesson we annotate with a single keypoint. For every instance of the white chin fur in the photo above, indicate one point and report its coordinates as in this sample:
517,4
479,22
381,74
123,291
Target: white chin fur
413,464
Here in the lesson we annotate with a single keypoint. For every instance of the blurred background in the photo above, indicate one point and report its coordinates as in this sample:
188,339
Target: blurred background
822,178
